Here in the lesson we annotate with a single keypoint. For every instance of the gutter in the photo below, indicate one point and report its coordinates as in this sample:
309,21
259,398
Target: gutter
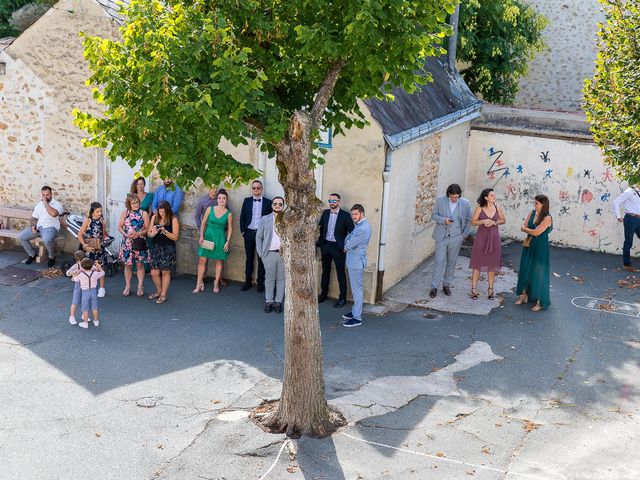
386,178
416,133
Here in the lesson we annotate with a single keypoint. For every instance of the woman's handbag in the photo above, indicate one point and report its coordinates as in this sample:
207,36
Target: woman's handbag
208,245
139,243
526,243
91,242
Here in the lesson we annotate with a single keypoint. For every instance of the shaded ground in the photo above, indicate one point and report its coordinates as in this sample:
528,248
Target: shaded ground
161,391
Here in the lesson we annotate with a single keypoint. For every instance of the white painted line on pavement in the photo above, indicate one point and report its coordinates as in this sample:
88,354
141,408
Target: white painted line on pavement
457,462
607,306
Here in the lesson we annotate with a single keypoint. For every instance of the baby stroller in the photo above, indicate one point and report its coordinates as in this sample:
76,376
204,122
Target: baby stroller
73,223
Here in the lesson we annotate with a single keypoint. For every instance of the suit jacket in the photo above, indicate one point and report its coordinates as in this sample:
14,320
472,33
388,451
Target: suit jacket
441,212
247,211
356,245
344,226
264,235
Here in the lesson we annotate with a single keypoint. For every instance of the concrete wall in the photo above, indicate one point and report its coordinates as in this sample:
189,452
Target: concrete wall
555,78
580,187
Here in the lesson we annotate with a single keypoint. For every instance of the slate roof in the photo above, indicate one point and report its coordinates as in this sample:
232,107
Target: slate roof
439,104
112,7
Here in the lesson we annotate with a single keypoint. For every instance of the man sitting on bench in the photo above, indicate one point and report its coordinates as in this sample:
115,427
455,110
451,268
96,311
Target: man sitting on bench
45,223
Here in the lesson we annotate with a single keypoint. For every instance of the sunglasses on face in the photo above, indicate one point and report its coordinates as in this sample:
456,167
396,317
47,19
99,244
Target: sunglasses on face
332,201
275,204
256,188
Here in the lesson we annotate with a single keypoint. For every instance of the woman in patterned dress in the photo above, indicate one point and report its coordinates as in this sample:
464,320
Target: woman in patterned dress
164,230
486,253
133,224
91,235
217,226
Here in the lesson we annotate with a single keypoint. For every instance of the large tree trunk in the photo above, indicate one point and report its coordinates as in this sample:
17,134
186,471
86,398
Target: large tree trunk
303,409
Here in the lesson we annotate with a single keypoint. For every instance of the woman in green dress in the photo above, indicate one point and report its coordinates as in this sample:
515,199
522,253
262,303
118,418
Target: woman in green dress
146,198
534,272
215,233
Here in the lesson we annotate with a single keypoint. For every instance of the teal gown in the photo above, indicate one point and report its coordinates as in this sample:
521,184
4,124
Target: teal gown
535,271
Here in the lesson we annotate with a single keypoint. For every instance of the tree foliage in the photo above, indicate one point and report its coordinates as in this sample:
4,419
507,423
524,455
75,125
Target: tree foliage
8,7
498,39
612,96
189,73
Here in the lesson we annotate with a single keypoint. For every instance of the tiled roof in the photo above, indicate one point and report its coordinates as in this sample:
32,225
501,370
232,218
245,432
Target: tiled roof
112,7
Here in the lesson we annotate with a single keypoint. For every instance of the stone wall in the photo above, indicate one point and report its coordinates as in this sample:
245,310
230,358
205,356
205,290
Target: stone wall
556,77
427,190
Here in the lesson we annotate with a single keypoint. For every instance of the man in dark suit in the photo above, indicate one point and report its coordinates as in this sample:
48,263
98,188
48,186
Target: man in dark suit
335,225
253,209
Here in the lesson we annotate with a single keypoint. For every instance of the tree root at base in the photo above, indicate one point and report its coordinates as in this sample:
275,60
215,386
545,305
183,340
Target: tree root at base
266,416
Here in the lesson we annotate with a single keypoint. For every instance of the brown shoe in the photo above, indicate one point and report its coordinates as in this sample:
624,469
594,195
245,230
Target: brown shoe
629,268
447,290
433,292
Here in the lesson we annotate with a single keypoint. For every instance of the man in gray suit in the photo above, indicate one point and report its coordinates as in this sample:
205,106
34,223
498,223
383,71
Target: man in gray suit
268,248
452,215
355,245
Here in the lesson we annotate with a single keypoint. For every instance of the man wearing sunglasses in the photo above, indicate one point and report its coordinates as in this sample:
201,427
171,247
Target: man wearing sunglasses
268,246
335,225
253,209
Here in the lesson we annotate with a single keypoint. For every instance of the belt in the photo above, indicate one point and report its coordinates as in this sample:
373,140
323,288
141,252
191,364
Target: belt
275,250
634,215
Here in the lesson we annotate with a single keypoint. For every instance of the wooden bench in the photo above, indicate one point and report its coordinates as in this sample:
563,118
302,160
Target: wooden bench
7,214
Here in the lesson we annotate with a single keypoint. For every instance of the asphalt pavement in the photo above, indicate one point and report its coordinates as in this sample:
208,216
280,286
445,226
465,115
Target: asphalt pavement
164,391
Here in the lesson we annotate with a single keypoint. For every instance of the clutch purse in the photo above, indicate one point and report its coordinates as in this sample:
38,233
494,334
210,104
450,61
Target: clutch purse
208,245
526,243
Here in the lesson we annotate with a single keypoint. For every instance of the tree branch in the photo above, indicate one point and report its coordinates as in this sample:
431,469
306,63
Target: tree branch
325,92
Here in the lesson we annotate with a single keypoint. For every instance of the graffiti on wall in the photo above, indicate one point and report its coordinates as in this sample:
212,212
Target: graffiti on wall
575,193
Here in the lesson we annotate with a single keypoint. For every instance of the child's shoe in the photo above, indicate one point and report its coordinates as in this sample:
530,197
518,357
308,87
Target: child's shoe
83,324
96,323
101,292
72,320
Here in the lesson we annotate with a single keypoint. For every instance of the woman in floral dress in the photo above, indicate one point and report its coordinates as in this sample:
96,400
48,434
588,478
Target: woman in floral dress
133,225
91,235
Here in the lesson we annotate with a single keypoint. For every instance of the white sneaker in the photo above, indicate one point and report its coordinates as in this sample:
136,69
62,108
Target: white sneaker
96,323
73,321
83,324
101,292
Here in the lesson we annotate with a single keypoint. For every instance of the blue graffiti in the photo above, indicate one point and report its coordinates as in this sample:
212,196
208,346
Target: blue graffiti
548,173
605,197
519,168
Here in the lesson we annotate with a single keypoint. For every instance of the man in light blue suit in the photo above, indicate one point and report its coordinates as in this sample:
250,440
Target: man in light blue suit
452,215
355,245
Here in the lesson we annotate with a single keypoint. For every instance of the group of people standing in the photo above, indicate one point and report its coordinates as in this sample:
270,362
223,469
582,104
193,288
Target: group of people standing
454,218
150,228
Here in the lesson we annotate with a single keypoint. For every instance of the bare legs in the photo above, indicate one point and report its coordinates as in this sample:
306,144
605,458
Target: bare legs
161,280
127,279
202,268
475,276
218,273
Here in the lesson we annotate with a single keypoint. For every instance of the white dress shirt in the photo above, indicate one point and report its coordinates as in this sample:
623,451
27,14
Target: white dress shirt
452,206
44,219
256,214
331,227
630,200
275,239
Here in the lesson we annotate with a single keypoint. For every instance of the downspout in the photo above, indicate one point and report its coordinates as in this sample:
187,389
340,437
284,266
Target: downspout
386,178
453,39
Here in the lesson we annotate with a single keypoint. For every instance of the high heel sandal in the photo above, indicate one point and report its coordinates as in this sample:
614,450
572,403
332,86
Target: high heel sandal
126,292
216,288
153,296
536,308
140,292
474,295
161,299
522,299
490,294
199,287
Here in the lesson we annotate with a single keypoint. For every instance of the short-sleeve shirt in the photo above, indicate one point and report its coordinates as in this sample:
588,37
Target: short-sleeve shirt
44,219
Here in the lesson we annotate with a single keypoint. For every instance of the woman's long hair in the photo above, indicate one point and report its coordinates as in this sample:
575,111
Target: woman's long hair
134,184
482,201
168,213
92,208
544,211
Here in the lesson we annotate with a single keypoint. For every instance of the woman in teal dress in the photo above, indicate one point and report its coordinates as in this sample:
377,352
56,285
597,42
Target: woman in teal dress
534,272
217,226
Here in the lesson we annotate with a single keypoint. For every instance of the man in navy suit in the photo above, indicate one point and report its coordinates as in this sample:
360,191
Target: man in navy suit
356,245
253,209
335,225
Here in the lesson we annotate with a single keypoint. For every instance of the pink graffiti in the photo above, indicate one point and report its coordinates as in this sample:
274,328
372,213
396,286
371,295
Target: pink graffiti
511,189
564,195
593,233
586,196
606,176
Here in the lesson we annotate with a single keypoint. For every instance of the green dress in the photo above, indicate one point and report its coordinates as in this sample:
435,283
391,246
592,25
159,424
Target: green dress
146,203
535,271
216,232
